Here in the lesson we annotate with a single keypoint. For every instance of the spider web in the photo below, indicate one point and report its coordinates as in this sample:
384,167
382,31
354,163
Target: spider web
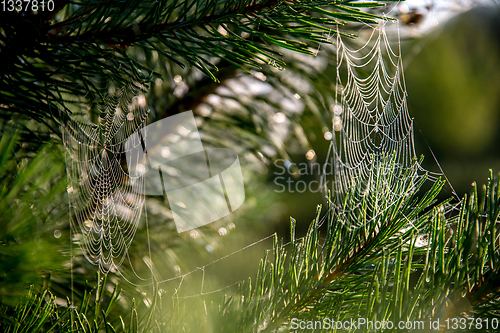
105,202
371,119
372,131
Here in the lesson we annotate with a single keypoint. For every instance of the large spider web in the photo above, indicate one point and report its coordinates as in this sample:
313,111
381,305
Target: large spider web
371,119
106,203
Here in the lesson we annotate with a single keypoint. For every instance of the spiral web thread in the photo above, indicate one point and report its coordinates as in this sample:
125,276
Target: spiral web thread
105,201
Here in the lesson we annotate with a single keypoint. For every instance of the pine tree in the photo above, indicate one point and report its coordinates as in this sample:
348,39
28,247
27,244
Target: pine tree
65,58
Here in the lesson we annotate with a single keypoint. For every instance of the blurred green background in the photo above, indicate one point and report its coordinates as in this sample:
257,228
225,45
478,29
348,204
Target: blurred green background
453,80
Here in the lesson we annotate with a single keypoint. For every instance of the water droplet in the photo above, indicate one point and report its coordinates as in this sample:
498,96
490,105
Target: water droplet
141,101
310,154
337,110
279,117
177,79
141,168
403,8
337,123
165,152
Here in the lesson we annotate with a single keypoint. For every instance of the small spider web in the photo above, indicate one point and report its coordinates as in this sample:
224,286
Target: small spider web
105,201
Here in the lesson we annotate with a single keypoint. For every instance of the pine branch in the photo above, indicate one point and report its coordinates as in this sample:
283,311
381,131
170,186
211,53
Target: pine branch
74,52
314,267
386,292
134,33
